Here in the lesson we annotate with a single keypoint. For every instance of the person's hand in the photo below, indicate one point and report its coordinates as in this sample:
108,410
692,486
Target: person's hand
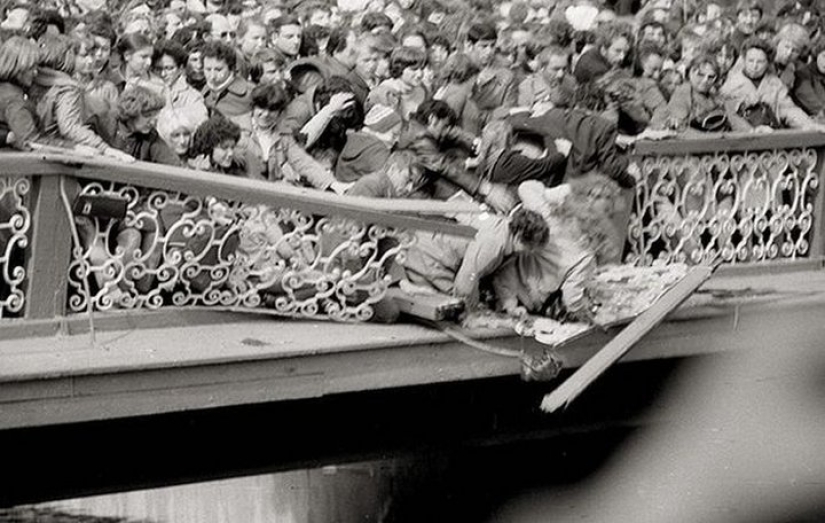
472,162
340,101
485,76
477,146
563,146
500,198
634,171
340,187
763,129
512,308
10,137
116,154
541,108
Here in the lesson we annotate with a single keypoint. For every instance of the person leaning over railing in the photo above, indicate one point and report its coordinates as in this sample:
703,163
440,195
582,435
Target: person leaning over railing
137,112
61,107
18,67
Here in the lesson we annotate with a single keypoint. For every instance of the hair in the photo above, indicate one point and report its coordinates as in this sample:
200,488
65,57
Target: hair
132,42
261,57
651,23
338,39
757,43
41,21
247,23
137,101
352,117
552,50
276,24
796,34
405,57
704,59
482,31
212,133
645,50
372,21
17,54
271,97
529,227
440,39
459,68
748,5
415,31
435,108
100,24
309,41
170,120
611,32
170,48
220,51
56,52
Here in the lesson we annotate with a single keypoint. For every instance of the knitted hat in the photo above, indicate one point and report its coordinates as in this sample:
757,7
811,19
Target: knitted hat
381,119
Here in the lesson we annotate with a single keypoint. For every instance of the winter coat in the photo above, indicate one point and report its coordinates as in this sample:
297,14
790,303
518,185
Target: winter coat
809,89
286,160
233,101
591,66
62,110
182,97
18,113
362,154
740,91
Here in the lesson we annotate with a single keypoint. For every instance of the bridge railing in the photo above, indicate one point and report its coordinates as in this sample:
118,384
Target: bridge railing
82,234
733,198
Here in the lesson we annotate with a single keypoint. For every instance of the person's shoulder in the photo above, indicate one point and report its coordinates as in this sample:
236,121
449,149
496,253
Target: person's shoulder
241,87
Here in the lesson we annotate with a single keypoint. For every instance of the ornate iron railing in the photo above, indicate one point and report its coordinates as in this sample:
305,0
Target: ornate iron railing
15,222
106,236
730,199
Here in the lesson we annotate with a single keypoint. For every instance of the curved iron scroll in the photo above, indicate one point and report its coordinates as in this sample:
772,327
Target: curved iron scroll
15,222
177,250
730,207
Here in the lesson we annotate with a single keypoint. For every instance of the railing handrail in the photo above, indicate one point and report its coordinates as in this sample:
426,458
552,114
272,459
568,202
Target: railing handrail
395,212
687,144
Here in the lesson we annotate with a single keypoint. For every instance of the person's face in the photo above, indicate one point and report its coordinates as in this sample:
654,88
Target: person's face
617,51
264,118
414,41
438,54
437,127
367,63
652,66
215,71
786,52
254,40
178,7
168,70
483,52
412,76
224,153
725,59
605,17
195,61
747,20
84,61
139,61
102,52
173,23
556,67
180,139
221,30
713,12
271,74
756,63
703,78
669,83
288,39
655,35
144,123
382,68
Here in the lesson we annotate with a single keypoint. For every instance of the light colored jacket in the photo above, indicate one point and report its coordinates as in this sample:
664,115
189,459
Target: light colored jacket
286,160
739,90
62,110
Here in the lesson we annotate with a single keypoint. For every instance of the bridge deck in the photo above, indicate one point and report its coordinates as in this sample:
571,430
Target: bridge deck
215,359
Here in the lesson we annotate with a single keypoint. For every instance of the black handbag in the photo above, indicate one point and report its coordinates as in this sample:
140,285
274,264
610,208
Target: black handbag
759,114
715,121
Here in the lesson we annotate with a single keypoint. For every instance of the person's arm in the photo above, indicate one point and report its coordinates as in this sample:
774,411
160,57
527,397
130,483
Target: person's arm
316,126
69,116
306,166
21,122
789,112
805,94
483,256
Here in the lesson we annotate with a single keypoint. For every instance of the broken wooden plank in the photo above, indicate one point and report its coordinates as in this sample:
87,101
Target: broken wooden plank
625,340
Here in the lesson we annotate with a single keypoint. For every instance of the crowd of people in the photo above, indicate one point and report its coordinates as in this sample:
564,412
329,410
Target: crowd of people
522,105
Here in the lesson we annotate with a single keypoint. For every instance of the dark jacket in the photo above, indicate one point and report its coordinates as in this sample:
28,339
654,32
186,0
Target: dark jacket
441,160
234,101
593,141
809,89
591,66
145,147
18,113
363,154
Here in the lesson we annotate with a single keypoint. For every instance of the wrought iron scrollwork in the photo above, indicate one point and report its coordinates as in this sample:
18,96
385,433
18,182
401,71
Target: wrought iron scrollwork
178,250
729,207
15,222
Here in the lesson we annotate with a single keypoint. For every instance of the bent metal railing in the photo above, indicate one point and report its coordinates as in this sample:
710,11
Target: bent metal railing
105,236
728,198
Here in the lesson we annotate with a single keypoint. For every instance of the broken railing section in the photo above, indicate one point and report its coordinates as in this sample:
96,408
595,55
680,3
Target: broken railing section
15,224
171,249
735,199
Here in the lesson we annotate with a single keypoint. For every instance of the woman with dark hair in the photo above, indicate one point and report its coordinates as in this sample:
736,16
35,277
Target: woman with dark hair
759,96
404,91
136,52
213,147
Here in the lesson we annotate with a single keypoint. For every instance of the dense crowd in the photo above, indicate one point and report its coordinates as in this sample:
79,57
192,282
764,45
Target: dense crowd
523,106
